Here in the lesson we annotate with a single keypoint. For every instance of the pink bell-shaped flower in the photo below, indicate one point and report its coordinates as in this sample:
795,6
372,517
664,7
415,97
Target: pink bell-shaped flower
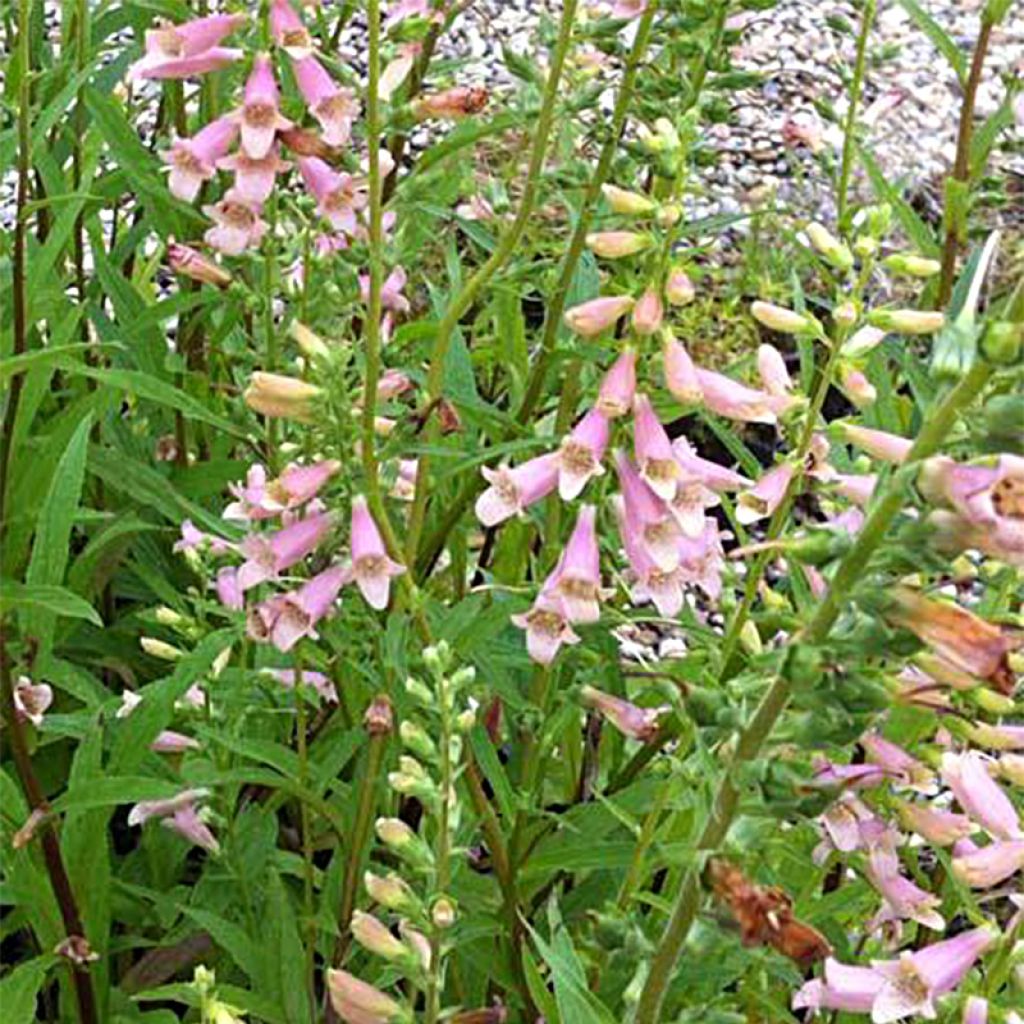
615,397
288,30
372,569
260,116
254,176
269,556
237,225
338,200
576,580
187,50
547,628
653,450
193,161
513,490
580,454
332,106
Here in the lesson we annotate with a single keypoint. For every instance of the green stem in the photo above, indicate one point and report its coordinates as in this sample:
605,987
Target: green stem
503,251
962,162
933,431
553,317
309,908
850,127
269,331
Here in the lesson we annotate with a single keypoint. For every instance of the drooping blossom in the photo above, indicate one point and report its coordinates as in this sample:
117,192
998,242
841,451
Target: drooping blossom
854,383
254,176
191,263
229,593
372,569
842,987
984,867
648,313
680,371
187,50
547,628
317,680
576,580
615,396
194,160
959,638
664,589
653,451
647,517
914,981
771,368
334,107
512,490
856,487
180,814
635,722
338,200
456,103
284,619
268,555
979,795
391,296
404,487
766,495
591,318
628,9
237,224
698,487
260,117
849,824
847,776
879,444
259,498
356,1002
288,30
903,899
170,742
580,454
895,759
32,700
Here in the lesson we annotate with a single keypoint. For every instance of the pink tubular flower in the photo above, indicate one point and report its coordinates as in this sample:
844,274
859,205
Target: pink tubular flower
679,289
975,1011
961,640
403,9
285,619
856,386
728,398
180,814
337,198
576,580
843,987
893,758
680,372
193,161
513,490
664,589
288,31
987,866
615,397
714,476
647,517
913,983
260,117
701,559
189,49
591,318
356,1002
269,556
371,566
229,593
185,260
877,443
628,9
317,680
766,495
254,176
32,700
904,899
580,454
856,487
632,721
391,296
547,628
170,742
848,776
653,450
237,225
849,824
263,499
771,368
648,313
332,106
979,795
987,497
940,828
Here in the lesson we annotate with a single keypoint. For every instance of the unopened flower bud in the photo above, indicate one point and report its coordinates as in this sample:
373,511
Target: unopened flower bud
355,1000
831,248
400,838
392,892
856,386
1002,342
865,247
416,739
376,937
443,913
169,617
630,203
465,720
458,102
907,321
778,318
76,948
862,341
417,942
186,261
669,215
912,265
613,245
158,649
591,318
679,289
667,133
461,678
311,344
379,719
845,314
420,692
274,395
28,831
750,638
648,313
220,662
992,702
437,657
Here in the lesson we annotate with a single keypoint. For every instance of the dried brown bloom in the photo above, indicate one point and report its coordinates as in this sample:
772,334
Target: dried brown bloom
379,719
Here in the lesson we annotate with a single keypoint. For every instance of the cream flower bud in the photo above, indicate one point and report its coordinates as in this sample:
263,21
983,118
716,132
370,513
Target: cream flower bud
375,937
443,913
394,832
613,245
415,737
834,251
274,395
778,318
392,892
630,203
169,617
845,314
669,215
158,649
679,289
311,344
912,265
907,321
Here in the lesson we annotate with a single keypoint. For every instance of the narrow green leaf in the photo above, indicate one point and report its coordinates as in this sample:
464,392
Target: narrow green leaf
938,37
20,989
41,597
